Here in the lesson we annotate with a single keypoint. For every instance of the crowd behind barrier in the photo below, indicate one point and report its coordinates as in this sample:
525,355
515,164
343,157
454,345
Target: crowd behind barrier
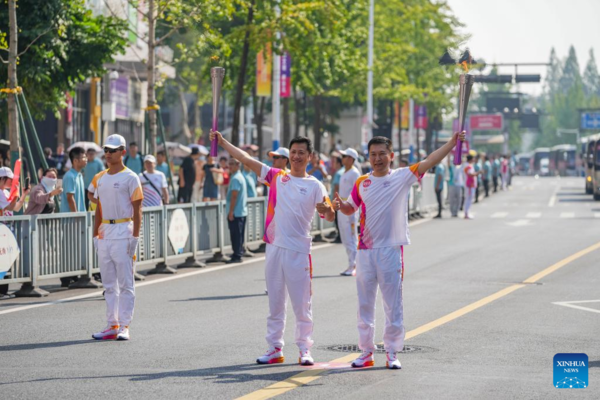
60,245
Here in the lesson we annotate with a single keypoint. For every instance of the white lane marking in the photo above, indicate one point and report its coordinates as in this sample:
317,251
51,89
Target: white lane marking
571,305
148,283
499,215
567,215
533,215
519,222
553,197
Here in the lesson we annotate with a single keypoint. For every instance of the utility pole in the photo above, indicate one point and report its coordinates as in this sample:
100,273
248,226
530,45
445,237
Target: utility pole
151,77
13,116
370,71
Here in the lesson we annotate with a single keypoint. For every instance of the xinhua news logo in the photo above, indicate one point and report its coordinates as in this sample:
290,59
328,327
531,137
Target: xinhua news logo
571,371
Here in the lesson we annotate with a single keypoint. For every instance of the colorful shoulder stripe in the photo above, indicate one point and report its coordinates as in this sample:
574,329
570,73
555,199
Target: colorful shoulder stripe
415,170
271,177
356,197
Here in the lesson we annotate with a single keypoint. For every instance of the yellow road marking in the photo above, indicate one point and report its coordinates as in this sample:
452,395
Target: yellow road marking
308,376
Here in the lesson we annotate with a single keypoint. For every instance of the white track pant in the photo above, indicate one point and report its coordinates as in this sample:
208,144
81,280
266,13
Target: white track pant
288,271
470,196
349,236
116,268
384,268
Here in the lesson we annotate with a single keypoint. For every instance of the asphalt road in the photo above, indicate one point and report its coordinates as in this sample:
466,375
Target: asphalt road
475,330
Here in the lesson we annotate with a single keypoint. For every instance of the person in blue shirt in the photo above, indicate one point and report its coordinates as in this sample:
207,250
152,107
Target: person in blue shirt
93,167
236,209
438,185
161,163
134,160
316,169
73,196
478,167
495,171
487,175
251,180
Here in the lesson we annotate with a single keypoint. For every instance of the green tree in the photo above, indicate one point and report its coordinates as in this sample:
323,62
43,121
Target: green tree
591,78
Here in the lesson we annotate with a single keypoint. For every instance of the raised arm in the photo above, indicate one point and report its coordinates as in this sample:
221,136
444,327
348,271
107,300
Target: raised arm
437,156
238,154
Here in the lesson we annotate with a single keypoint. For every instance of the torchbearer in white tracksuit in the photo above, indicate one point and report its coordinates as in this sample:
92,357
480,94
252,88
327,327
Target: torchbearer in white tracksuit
382,197
347,223
116,232
293,198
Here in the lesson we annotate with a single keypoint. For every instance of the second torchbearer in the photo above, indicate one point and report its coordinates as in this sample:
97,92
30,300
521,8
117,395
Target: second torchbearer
216,74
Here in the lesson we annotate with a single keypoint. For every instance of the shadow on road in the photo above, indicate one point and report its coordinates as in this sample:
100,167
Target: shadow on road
228,374
35,346
329,276
213,298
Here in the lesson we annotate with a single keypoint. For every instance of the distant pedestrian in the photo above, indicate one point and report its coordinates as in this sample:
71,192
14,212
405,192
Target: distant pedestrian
49,160
438,185
237,210
348,223
455,190
187,176
224,166
60,158
133,160
154,184
212,175
487,175
41,198
8,207
316,168
250,177
495,172
93,167
337,171
504,172
161,163
478,167
471,184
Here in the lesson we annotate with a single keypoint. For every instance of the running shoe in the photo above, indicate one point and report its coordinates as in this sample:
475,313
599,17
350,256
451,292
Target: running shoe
392,361
273,356
123,333
349,272
110,333
366,359
305,358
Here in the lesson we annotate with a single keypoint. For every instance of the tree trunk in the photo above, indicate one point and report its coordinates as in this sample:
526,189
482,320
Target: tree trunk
185,127
296,113
239,93
13,117
197,122
428,137
259,109
400,131
287,130
151,77
317,122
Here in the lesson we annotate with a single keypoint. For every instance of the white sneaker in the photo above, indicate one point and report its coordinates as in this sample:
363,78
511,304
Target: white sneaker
392,361
110,333
349,272
306,358
273,356
123,333
366,359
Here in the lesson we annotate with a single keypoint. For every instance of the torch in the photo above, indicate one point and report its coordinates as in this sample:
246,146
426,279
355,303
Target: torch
216,74
465,84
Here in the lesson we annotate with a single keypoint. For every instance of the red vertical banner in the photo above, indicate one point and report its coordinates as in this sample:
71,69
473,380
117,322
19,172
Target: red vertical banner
14,189
421,120
285,64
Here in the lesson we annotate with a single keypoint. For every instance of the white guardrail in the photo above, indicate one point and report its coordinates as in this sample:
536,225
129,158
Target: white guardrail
60,245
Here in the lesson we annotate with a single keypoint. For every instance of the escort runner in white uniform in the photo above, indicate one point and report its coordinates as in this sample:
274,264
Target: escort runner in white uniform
116,232
382,197
347,223
293,198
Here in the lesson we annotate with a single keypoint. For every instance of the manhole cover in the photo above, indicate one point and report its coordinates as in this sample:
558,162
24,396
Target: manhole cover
352,348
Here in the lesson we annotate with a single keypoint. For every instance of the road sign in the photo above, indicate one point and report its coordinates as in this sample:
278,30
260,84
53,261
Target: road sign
590,120
9,250
487,122
179,230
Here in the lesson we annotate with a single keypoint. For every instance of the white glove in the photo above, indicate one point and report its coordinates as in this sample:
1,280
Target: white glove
133,244
96,244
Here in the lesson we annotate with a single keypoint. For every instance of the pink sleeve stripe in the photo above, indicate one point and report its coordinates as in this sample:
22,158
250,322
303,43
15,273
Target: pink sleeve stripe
271,174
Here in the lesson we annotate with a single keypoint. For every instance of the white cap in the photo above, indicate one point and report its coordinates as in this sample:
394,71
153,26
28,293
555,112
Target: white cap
6,172
282,151
350,153
114,141
150,158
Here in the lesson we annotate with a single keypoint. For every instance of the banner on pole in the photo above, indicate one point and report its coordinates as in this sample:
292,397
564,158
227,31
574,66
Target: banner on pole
14,189
285,86
421,120
264,68
405,115
396,114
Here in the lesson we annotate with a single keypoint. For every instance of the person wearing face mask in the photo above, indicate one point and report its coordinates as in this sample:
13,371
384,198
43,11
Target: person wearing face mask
41,198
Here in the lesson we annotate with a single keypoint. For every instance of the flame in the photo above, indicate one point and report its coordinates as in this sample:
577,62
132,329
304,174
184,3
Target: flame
465,66
215,58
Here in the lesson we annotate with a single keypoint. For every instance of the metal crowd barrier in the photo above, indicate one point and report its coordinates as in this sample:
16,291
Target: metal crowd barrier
60,245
